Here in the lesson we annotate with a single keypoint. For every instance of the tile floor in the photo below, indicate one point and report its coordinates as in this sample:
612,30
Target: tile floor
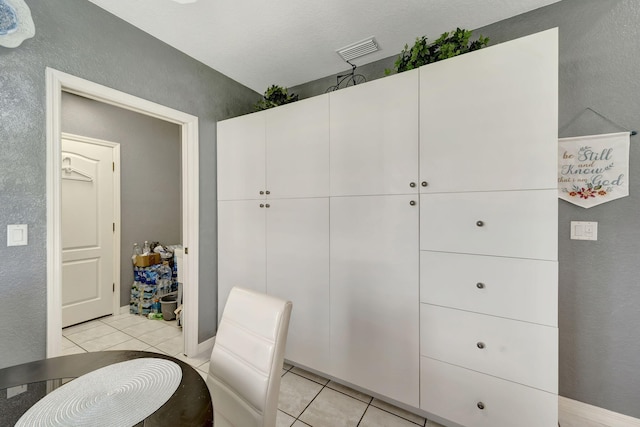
306,399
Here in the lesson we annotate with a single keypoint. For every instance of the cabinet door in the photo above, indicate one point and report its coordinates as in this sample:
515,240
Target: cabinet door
298,270
298,149
374,294
241,248
489,118
241,157
374,137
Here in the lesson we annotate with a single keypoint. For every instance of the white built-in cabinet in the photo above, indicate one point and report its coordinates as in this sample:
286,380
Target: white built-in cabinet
273,217
412,221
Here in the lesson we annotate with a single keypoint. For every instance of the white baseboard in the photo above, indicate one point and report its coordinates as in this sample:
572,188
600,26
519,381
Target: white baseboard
124,309
573,408
205,347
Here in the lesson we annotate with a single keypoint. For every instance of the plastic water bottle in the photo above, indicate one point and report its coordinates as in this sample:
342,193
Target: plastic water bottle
146,249
136,251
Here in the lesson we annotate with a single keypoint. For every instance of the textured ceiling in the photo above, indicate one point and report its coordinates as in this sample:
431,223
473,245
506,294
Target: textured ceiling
289,42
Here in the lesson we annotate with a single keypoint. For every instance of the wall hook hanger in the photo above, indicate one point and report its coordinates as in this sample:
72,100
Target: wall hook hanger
632,132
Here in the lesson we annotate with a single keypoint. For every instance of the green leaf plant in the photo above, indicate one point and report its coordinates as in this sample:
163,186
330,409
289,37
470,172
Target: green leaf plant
448,45
275,96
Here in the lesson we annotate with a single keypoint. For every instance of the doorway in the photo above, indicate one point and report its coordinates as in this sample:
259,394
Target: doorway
58,82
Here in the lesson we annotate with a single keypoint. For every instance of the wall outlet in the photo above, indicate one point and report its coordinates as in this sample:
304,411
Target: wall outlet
582,230
14,391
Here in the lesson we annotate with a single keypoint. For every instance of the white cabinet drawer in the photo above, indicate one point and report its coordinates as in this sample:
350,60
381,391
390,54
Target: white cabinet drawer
520,224
516,351
515,288
456,393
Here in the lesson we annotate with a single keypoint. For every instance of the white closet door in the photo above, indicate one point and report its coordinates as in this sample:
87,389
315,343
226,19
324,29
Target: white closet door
489,118
298,270
298,149
241,157
374,294
374,137
241,248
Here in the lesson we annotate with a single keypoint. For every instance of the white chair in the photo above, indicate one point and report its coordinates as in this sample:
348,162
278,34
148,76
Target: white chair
246,362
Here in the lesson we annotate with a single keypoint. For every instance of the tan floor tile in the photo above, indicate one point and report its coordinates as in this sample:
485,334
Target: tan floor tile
172,346
132,344
126,322
106,341
72,350
160,335
375,417
91,334
309,375
433,424
284,420
333,409
295,393
193,361
349,391
398,411
81,327
144,328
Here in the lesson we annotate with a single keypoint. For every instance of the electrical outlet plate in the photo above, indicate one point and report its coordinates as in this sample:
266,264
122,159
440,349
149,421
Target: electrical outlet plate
17,234
583,230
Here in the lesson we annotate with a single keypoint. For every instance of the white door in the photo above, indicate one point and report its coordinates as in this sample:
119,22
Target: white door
87,231
241,157
298,270
241,247
297,150
374,137
374,294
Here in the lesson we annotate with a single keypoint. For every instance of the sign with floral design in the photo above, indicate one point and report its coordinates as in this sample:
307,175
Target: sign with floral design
593,169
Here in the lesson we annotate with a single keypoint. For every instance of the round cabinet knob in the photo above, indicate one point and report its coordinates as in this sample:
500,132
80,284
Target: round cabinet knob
412,203
480,285
480,405
262,205
480,345
268,192
261,192
412,184
424,183
267,205
479,223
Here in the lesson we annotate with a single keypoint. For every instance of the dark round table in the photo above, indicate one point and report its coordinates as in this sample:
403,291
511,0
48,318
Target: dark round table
190,404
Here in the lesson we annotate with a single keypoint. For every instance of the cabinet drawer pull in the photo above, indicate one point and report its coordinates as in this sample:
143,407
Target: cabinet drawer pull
480,405
479,223
412,203
262,205
267,192
480,345
424,183
261,192
480,285
267,205
412,184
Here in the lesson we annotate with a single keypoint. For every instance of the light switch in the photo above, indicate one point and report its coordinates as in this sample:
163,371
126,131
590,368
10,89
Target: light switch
17,234
582,230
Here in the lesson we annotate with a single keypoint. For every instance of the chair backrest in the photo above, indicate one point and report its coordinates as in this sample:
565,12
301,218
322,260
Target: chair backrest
246,362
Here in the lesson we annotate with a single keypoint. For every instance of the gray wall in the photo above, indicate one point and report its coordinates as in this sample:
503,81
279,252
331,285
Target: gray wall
150,173
599,286
79,38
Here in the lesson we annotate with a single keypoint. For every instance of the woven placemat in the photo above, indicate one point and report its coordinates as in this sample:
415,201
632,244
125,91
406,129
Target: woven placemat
122,394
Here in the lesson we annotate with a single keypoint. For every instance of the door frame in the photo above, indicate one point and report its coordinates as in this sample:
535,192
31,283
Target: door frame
58,82
116,208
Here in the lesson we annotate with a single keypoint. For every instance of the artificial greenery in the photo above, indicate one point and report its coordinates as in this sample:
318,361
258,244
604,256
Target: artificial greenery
275,96
448,45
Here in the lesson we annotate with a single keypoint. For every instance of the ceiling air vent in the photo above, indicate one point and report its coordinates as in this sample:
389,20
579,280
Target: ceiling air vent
358,49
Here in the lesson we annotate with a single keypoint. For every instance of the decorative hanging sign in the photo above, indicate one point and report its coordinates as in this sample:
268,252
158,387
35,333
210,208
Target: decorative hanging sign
593,169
